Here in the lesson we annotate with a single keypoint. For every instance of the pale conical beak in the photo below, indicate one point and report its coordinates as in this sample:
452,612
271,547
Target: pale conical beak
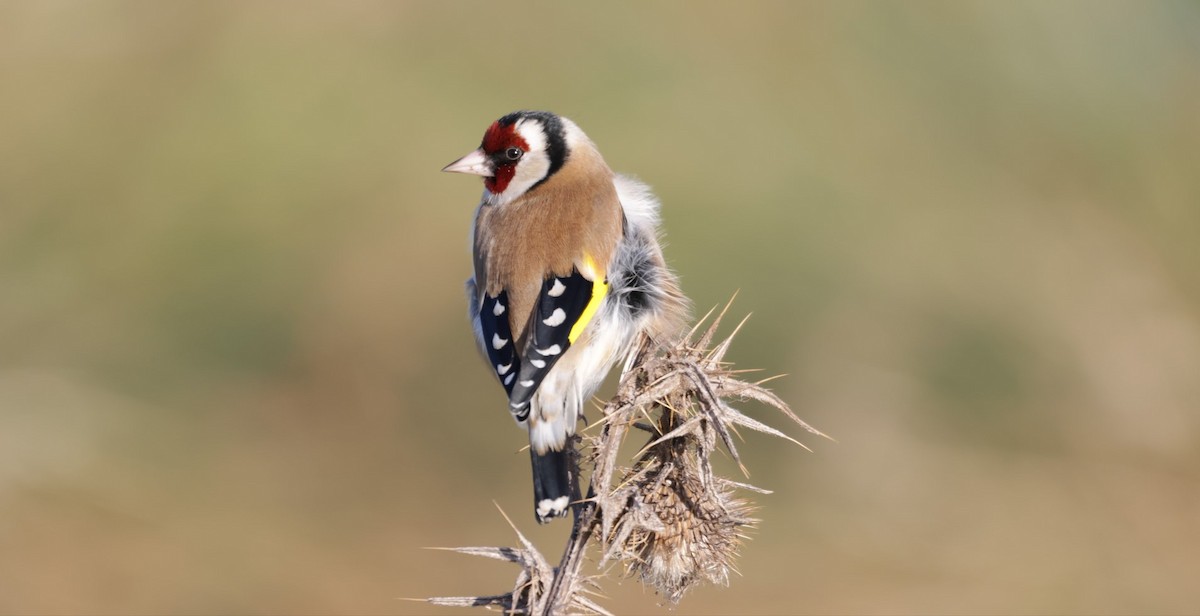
475,163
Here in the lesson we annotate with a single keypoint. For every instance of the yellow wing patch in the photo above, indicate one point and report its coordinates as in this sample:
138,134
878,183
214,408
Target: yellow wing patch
599,290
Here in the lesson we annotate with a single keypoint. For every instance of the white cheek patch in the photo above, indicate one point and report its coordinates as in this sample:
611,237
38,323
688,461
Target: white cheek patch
532,168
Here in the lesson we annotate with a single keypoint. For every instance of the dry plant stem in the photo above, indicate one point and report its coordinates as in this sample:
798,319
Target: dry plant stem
567,574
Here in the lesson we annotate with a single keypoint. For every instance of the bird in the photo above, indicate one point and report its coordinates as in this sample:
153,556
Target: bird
568,273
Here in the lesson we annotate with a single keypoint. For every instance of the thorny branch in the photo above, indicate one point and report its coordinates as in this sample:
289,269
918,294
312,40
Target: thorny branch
668,520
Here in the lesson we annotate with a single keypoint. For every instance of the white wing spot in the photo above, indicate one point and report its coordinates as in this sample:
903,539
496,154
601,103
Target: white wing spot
528,383
537,363
553,349
556,289
547,506
498,309
503,370
498,342
556,318
508,379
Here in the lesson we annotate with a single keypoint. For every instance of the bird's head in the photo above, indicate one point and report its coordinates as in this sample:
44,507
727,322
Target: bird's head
518,153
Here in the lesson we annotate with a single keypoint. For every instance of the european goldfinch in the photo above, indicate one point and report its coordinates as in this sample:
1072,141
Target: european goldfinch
568,272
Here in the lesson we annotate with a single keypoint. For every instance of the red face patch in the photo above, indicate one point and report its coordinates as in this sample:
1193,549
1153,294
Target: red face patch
496,140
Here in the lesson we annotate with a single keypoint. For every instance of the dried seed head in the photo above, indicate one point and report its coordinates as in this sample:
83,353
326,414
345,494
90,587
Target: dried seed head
681,526
686,531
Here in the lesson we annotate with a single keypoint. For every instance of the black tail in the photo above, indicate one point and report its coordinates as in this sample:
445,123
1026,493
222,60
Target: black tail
551,484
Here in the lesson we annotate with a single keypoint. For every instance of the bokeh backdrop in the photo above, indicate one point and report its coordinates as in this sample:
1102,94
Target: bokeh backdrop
235,375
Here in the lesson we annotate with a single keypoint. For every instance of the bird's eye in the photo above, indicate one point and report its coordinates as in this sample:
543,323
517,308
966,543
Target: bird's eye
513,153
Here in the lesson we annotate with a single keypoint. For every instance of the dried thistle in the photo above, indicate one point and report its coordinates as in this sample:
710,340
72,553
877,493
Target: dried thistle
669,520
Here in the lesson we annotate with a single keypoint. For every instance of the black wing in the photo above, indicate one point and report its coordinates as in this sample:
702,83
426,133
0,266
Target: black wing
564,308
497,338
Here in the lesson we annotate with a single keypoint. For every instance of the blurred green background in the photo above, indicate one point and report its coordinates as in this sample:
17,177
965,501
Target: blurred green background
235,371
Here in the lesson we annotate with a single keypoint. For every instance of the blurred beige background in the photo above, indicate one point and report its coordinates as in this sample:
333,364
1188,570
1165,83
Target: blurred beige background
235,371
